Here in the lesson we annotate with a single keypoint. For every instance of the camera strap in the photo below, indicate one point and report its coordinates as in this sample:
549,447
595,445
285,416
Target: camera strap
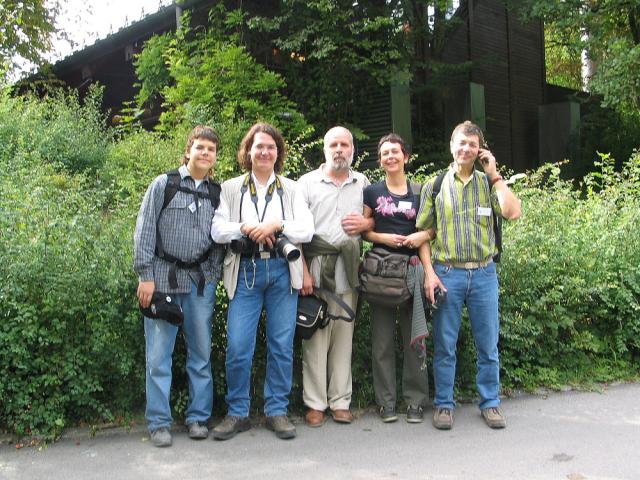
250,185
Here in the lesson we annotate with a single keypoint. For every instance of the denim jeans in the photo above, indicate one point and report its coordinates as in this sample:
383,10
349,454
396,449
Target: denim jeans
478,290
269,287
160,338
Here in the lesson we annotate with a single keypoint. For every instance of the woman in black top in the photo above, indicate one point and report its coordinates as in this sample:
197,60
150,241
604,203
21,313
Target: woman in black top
394,207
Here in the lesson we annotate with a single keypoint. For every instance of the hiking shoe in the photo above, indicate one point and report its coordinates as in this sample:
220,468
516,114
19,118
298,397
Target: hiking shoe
282,426
198,430
230,426
388,414
493,417
414,414
443,418
161,437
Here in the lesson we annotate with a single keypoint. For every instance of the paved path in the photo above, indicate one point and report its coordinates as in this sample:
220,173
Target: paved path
571,436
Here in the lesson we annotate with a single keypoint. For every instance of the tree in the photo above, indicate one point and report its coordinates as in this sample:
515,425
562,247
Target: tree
337,54
608,31
205,75
26,28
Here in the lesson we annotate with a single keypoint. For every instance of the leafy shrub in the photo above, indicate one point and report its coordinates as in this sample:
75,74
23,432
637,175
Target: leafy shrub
570,298
71,339
57,128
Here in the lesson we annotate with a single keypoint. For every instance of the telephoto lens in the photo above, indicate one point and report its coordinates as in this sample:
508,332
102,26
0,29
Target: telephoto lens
287,249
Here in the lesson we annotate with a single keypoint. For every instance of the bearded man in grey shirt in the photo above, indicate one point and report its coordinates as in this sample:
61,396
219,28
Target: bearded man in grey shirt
333,193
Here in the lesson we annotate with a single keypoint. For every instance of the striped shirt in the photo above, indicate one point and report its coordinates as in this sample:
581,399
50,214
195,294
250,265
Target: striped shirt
185,231
464,232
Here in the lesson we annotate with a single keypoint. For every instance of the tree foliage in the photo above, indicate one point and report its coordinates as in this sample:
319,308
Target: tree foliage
205,75
609,31
26,27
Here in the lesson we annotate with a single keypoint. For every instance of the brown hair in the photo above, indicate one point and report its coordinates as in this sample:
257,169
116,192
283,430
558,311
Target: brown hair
469,128
244,158
393,138
200,132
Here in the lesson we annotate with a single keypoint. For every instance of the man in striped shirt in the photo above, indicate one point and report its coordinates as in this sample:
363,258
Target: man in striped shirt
463,268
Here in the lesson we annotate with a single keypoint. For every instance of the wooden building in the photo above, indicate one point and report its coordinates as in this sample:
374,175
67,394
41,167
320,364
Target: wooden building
503,90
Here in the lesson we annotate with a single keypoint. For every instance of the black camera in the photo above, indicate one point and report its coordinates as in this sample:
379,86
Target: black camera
439,296
242,245
287,249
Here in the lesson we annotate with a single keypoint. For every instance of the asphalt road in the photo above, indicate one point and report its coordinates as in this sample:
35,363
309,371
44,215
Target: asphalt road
570,435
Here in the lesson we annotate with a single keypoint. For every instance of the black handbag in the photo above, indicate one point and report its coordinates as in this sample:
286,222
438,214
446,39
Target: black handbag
313,313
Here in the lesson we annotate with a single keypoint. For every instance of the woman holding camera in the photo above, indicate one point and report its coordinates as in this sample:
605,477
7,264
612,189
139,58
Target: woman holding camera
393,204
261,216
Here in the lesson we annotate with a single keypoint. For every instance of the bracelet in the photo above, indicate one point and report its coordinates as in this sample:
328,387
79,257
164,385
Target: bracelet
496,179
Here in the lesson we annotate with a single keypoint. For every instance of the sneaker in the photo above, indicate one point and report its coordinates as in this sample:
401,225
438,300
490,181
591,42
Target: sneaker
443,418
161,437
388,414
493,417
229,426
198,430
414,414
282,426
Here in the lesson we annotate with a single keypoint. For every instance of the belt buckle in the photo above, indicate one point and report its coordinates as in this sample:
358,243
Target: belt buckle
265,255
470,265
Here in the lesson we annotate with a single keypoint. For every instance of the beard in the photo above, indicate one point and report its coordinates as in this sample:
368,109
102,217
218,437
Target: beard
339,162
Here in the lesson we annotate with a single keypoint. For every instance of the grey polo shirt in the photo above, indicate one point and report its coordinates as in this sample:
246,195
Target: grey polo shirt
328,204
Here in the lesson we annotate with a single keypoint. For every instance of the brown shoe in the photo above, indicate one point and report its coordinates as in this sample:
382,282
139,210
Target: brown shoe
342,416
494,417
315,418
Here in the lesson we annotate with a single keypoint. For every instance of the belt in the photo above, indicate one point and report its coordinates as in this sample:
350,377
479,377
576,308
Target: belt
467,265
262,255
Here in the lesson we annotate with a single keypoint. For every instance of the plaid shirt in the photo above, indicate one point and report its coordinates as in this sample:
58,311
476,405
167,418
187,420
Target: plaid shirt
185,231
464,232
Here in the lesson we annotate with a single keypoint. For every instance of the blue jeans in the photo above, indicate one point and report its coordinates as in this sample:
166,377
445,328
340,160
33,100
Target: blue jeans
269,287
160,338
478,289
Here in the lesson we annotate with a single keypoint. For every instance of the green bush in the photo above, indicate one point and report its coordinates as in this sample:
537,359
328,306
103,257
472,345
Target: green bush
570,296
71,338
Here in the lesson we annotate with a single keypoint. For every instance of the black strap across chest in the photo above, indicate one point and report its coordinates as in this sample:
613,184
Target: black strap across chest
172,187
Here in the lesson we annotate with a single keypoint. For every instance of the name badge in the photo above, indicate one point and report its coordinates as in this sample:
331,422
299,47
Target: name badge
484,211
403,206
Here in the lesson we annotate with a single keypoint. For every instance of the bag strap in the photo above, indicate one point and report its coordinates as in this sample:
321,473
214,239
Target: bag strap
351,314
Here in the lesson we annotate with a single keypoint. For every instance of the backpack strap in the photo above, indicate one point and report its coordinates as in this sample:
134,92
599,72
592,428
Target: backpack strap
437,185
172,187
415,188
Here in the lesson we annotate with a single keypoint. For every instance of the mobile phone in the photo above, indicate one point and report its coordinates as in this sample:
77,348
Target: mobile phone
482,161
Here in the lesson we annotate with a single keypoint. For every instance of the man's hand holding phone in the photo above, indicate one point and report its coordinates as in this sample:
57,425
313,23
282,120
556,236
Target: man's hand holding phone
488,162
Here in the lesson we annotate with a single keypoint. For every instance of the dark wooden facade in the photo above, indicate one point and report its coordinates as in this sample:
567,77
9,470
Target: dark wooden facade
502,90
508,62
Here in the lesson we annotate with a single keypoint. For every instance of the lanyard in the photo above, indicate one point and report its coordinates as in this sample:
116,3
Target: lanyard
249,184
